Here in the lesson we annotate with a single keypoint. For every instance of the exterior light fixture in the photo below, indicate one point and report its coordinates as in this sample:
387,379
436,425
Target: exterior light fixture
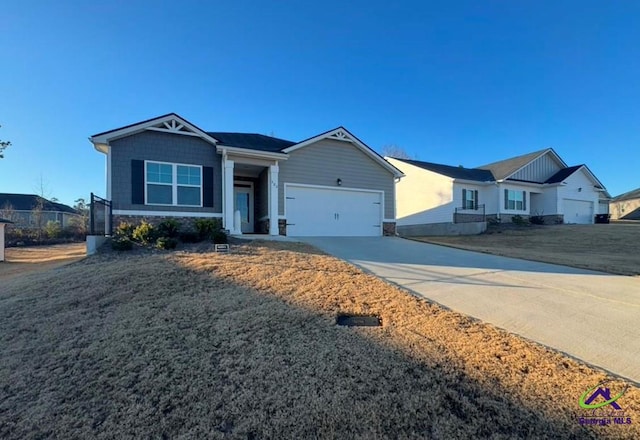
579,189
339,182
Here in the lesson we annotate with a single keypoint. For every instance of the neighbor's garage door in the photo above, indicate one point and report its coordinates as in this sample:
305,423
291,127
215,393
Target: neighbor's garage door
578,211
313,211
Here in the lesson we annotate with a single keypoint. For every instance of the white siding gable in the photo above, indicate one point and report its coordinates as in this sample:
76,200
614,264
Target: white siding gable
578,186
540,169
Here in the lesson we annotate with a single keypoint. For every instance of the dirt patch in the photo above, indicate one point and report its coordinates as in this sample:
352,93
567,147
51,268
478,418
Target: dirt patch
25,260
609,248
196,344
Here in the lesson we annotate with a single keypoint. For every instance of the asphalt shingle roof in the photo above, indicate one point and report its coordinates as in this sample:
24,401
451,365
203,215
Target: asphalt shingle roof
454,172
251,141
26,202
634,194
504,168
563,174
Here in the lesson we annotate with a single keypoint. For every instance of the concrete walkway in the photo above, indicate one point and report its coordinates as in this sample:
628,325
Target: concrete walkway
590,315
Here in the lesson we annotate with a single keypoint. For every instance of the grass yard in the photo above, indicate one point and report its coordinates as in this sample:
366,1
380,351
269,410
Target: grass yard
609,248
194,344
23,260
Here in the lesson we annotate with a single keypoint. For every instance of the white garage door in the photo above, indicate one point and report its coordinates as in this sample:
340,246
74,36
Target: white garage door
316,211
578,211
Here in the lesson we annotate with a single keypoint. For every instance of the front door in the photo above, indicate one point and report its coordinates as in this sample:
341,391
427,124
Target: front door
243,202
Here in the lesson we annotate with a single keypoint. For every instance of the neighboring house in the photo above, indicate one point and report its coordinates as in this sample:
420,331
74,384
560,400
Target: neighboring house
539,183
32,211
626,206
330,184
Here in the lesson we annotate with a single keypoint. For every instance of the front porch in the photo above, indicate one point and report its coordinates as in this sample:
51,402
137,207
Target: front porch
250,191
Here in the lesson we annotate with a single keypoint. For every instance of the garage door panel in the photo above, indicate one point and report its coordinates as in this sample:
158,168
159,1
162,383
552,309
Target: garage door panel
578,211
313,211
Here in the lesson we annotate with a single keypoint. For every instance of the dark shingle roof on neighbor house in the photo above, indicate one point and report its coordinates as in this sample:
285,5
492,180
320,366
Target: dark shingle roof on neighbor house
26,202
454,172
633,194
251,141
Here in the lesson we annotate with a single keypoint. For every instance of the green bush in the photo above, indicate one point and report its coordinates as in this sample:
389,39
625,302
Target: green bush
190,237
144,233
121,244
53,229
219,237
519,220
125,229
166,243
492,221
207,226
169,228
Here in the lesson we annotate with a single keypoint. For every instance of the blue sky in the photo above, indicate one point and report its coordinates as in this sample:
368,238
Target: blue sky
455,82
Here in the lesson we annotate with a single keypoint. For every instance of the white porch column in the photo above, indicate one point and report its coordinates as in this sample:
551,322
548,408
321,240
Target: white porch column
273,199
228,196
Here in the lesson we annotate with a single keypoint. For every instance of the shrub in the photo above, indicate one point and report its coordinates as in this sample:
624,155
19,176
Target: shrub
169,228
145,233
166,243
125,229
492,221
537,219
53,229
121,244
219,237
519,220
190,237
207,226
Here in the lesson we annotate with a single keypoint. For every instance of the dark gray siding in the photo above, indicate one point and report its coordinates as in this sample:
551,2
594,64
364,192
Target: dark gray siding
326,161
164,147
262,195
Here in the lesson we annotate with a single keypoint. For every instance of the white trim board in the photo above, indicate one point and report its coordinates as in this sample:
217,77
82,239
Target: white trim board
166,213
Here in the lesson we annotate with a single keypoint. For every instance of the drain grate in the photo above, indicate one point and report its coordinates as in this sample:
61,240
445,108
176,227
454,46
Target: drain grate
359,320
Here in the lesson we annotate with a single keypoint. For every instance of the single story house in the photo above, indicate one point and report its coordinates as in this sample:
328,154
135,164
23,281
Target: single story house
32,211
534,184
626,206
331,184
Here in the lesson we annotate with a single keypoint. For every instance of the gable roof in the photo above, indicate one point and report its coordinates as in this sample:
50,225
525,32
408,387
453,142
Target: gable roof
450,171
251,141
505,168
26,202
563,174
629,195
341,134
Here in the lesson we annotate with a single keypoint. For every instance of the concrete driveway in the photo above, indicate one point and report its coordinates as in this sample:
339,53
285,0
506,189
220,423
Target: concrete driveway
590,315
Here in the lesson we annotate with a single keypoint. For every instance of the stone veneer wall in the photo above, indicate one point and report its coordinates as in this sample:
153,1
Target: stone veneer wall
389,229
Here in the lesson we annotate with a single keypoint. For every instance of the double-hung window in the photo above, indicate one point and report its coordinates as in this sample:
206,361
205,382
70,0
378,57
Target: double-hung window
515,200
469,199
173,184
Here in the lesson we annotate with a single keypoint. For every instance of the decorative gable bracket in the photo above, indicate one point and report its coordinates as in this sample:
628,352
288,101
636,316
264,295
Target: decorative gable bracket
173,126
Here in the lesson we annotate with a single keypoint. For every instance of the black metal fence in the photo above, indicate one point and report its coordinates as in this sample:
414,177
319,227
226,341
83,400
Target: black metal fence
101,216
470,215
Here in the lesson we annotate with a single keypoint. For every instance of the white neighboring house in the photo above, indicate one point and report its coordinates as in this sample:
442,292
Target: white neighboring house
432,197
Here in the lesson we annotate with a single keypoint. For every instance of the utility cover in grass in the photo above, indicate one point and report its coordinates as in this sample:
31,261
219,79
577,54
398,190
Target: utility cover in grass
359,320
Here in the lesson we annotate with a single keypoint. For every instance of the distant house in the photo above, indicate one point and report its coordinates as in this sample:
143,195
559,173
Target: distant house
626,206
534,184
31,211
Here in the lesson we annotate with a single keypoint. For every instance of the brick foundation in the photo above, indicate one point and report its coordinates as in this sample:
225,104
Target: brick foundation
282,226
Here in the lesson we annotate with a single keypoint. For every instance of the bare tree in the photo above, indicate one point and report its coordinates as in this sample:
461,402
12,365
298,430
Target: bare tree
3,145
392,150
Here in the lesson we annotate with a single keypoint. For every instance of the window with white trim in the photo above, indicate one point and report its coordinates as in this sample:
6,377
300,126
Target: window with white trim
515,200
469,199
173,184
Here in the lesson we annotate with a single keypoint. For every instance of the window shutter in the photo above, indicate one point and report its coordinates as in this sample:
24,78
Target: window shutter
464,199
506,199
137,182
524,200
207,187
475,200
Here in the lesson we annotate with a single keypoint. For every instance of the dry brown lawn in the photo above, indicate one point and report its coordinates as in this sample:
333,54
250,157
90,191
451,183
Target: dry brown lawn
612,248
194,344
24,260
